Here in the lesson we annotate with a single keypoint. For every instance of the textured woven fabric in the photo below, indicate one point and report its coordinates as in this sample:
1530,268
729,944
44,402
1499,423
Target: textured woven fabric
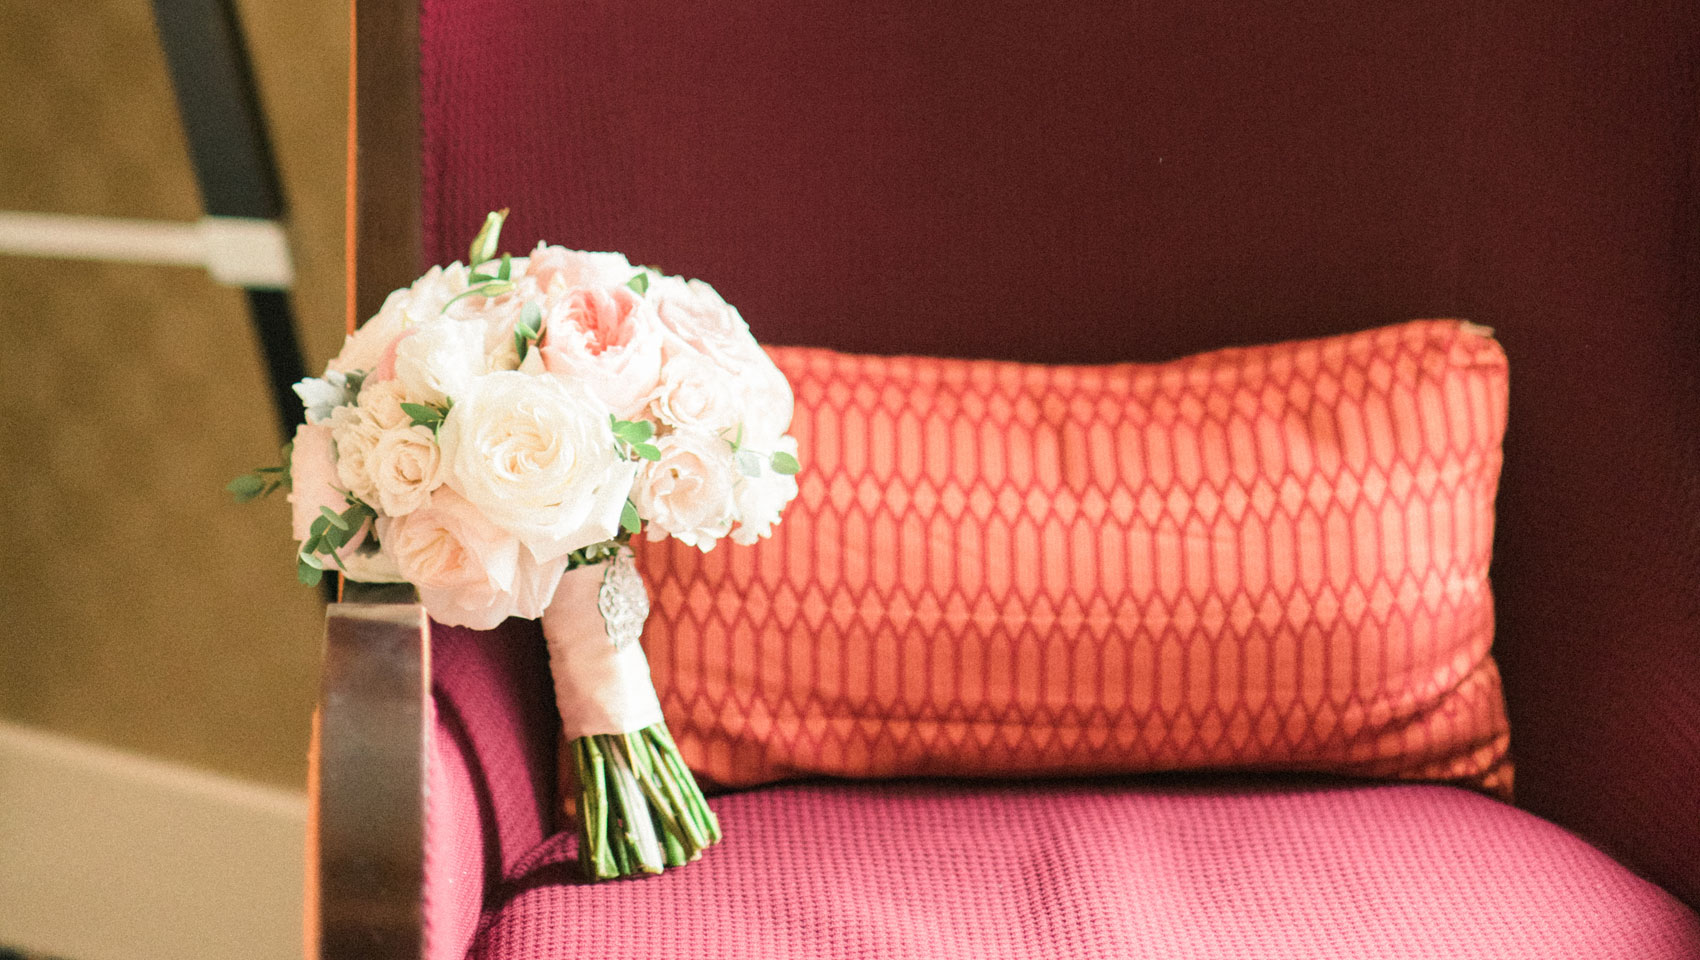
491,770
1269,557
1074,872
1138,181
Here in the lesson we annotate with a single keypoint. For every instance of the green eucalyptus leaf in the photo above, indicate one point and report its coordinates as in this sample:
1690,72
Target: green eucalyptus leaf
648,451
309,574
785,463
245,487
629,519
335,519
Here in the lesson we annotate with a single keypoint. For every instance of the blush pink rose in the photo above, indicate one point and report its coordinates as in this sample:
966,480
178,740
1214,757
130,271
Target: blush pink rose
695,313
313,479
606,339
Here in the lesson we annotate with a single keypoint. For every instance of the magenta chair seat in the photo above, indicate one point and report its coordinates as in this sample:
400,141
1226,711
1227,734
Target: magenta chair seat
1087,871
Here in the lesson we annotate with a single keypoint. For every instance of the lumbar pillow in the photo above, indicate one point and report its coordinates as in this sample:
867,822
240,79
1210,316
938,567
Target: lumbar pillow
1269,558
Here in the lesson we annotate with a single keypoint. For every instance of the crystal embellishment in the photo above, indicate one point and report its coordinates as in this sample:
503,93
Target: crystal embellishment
623,600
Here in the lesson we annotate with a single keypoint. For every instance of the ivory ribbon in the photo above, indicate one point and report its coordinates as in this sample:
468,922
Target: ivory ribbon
592,626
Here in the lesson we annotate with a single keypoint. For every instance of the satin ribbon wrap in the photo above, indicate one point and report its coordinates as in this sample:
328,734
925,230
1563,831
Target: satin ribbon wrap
602,682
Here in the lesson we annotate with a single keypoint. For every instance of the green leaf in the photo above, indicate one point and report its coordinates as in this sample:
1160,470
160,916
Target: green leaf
307,557
639,284
648,451
785,463
748,463
479,278
425,415
307,573
507,268
529,328
245,488
634,431
489,237
335,520
629,519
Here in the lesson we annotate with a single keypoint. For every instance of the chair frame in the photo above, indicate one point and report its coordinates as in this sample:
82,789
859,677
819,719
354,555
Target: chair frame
366,832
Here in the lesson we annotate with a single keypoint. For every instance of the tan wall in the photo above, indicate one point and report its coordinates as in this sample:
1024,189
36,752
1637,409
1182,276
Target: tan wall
141,608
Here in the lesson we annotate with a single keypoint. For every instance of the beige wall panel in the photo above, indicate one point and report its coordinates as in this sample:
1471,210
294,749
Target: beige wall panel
142,608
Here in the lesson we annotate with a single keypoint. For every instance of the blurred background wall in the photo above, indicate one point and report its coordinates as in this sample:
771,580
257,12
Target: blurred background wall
144,610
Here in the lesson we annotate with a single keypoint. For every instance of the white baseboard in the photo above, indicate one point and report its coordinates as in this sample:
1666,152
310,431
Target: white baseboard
105,855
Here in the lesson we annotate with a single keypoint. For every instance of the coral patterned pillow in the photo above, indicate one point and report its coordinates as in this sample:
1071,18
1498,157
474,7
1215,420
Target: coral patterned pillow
1270,558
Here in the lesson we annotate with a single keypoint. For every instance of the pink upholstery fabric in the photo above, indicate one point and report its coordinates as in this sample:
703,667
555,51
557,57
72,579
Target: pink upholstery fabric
1100,871
492,771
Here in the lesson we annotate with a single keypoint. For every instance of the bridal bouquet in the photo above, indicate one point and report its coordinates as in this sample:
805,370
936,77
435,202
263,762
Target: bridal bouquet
496,434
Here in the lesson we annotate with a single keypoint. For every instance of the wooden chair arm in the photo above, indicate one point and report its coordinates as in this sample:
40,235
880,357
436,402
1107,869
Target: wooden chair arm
369,795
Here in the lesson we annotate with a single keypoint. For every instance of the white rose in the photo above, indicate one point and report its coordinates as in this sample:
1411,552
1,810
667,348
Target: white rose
405,466
469,571
557,268
366,347
687,494
439,359
759,500
538,458
695,392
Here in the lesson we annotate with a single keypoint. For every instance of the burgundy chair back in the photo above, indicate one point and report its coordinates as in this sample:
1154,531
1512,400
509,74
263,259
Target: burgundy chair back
1103,181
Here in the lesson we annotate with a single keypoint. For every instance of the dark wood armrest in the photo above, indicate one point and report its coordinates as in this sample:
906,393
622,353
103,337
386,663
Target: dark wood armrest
369,795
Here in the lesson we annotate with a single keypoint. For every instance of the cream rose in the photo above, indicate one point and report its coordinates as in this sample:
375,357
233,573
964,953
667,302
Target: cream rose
695,393
538,459
606,338
381,403
469,571
313,478
439,359
406,465
357,429
688,493
356,435
759,500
